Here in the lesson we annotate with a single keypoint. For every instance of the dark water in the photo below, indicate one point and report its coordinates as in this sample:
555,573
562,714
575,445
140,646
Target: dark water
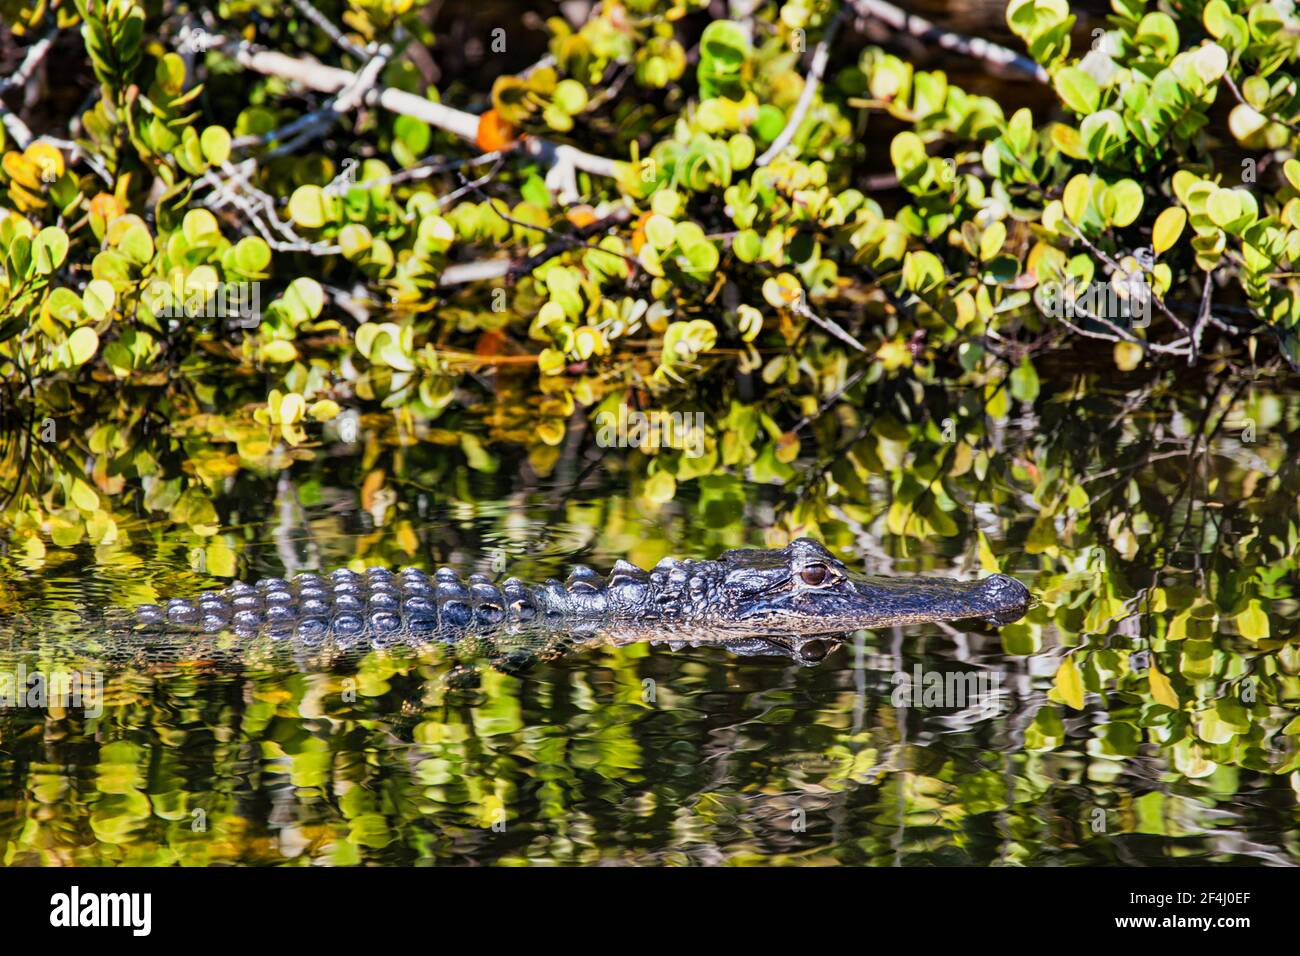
641,754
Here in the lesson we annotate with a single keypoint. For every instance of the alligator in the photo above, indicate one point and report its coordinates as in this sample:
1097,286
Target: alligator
784,600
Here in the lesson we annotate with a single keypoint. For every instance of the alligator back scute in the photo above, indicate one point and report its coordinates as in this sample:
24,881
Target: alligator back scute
345,605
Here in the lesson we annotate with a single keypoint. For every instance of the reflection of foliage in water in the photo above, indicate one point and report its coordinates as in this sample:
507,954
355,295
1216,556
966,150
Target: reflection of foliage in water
1145,524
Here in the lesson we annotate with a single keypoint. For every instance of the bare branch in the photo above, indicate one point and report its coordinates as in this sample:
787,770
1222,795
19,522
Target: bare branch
22,136
35,54
564,160
329,29
314,124
801,308
991,53
821,56
1202,317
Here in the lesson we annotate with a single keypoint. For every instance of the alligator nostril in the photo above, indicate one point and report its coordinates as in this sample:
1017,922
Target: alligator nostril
1003,584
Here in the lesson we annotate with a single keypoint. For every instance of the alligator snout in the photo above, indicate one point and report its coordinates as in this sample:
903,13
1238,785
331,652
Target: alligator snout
1007,597
1001,588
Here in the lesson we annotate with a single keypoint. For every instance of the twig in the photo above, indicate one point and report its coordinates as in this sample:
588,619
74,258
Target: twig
329,29
919,27
1116,267
239,192
316,123
618,217
832,399
22,135
564,160
512,269
481,270
800,308
426,168
35,54
1272,118
821,56
1174,348
1202,317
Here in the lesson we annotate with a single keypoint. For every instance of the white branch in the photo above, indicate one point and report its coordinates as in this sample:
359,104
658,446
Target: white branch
22,136
923,29
821,56
329,79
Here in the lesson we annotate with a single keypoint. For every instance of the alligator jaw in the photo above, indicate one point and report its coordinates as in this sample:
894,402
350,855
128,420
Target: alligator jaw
861,602
884,602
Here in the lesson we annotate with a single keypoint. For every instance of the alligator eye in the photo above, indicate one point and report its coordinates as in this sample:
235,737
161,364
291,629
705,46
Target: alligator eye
815,575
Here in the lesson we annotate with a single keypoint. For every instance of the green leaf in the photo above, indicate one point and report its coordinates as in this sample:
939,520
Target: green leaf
908,153
1077,90
1158,32
64,305
1078,194
304,298
49,249
354,240
1127,198
200,228
747,245
98,298
1224,207
992,239
725,42
570,96
83,344
660,488
1102,132
136,244
922,271
1216,16
1024,381
252,256
1292,170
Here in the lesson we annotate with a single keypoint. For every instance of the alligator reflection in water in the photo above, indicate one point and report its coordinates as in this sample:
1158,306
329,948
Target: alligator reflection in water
1144,710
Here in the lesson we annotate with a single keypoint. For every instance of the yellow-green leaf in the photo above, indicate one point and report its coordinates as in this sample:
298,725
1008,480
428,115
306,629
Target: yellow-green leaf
1252,623
1161,689
1128,355
1069,683
83,344
1078,192
307,206
1168,227
1292,170
987,561
661,487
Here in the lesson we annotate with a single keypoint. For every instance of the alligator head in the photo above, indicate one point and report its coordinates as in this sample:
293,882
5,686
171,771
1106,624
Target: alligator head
803,590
